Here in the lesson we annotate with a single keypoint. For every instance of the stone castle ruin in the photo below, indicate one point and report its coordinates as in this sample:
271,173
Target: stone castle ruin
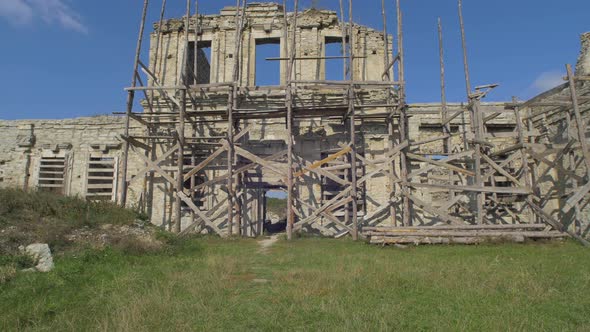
256,100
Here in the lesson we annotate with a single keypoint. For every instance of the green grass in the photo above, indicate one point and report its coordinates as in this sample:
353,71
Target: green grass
311,284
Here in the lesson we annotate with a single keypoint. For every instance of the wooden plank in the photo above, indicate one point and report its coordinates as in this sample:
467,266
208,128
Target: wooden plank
502,164
318,211
501,170
555,223
430,167
441,164
575,199
432,210
452,117
482,189
393,152
149,163
250,156
328,216
429,140
319,163
207,161
199,213
321,172
466,233
153,166
239,170
45,185
100,186
459,227
491,116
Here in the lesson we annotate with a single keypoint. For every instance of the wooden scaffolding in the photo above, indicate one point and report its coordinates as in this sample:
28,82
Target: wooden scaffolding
476,190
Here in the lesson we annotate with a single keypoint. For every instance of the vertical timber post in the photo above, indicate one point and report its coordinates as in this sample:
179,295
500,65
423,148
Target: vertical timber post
476,123
181,116
446,127
403,120
289,103
390,142
352,119
523,155
130,99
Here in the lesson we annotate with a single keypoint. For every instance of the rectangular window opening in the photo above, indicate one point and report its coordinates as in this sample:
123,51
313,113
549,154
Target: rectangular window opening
335,60
268,72
52,172
100,180
199,67
500,128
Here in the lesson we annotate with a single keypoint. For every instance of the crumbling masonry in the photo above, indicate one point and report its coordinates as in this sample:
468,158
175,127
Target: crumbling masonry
350,154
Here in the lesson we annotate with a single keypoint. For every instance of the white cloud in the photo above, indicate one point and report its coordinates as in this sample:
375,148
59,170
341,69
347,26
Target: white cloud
16,11
24,12
547,80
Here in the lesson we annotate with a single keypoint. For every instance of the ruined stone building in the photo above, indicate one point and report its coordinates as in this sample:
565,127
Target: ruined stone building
223,117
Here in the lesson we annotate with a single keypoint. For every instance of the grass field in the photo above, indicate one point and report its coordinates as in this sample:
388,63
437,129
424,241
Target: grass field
308,284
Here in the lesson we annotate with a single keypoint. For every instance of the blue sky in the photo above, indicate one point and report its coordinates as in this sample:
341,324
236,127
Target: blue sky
67,58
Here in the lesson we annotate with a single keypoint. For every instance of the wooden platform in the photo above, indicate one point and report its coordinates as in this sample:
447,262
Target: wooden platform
459,234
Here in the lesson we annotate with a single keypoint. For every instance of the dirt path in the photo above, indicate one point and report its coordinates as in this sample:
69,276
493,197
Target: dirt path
268,242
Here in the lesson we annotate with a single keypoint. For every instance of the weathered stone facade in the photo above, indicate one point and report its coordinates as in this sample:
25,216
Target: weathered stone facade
84,156
24,143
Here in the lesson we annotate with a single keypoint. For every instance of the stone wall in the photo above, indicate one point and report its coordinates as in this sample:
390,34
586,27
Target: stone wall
24,143
264,22
583,66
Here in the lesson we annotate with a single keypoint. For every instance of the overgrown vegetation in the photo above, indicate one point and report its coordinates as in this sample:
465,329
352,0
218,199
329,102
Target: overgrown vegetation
30,217
277,206
309,284
69,225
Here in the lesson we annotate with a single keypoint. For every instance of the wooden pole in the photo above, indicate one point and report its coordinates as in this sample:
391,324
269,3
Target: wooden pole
476,123
390,127
196,46
352,119
181,119
403,121
289,104
446,128
130,99
443,97
156,53
232,96
464,45
581,131
523,154
343,28
385,42
571,160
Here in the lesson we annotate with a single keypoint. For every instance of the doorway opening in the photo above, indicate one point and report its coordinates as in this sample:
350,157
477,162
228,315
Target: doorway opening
275,211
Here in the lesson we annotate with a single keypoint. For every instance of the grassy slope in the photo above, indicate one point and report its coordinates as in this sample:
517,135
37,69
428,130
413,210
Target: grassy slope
314,284
29,217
